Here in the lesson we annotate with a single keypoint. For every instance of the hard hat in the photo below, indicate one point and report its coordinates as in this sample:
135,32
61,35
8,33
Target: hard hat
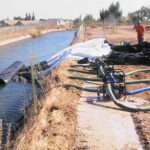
138,22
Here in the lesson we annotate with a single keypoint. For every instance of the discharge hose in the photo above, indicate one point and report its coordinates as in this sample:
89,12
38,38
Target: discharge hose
80,88
85,78
135,71
130,81
138,90
137,81
100,79
95,89
128,108
80,65
83,71
101,70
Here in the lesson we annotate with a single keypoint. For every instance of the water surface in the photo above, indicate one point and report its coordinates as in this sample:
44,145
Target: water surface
14,96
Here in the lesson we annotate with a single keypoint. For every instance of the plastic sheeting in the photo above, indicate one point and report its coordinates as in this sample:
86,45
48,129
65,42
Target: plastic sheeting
92,48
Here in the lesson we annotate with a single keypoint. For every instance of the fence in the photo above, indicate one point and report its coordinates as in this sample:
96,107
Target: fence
79,32
14,31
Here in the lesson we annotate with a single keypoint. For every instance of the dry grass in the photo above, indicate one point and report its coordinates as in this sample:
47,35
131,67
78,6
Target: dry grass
54,125
35,32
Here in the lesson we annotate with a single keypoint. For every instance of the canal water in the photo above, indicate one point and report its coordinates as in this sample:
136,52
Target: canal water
14,96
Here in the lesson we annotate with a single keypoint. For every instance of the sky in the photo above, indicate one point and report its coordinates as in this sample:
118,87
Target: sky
67,9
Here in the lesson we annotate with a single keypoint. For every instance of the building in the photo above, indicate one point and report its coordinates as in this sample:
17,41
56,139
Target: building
4,23
54,22
49,22
61,22
68,22
27,22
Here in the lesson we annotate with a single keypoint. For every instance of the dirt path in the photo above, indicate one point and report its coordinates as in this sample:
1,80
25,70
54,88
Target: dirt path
101,125
105,127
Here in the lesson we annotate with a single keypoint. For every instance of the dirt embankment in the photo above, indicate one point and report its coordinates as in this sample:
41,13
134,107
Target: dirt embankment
34,32
53,126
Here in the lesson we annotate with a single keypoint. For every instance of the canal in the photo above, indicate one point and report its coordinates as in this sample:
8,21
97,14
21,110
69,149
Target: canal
15,96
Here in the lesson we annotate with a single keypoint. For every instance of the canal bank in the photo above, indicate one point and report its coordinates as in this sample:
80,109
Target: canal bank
9,41
57,110
42,48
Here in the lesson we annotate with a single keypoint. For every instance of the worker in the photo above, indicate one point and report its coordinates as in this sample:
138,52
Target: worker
140,29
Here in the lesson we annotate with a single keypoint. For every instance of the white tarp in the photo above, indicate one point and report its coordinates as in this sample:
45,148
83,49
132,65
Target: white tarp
90,49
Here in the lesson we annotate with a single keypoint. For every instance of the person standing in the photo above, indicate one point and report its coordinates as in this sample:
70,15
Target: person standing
140,29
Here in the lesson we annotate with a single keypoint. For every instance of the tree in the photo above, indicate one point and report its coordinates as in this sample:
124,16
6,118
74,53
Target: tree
113,13
27,17
88,19
143,14
114,9
18,18
42,19
33,16
77,22
104,14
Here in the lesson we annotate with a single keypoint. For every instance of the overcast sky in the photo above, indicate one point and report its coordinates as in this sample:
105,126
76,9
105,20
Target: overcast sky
64,8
